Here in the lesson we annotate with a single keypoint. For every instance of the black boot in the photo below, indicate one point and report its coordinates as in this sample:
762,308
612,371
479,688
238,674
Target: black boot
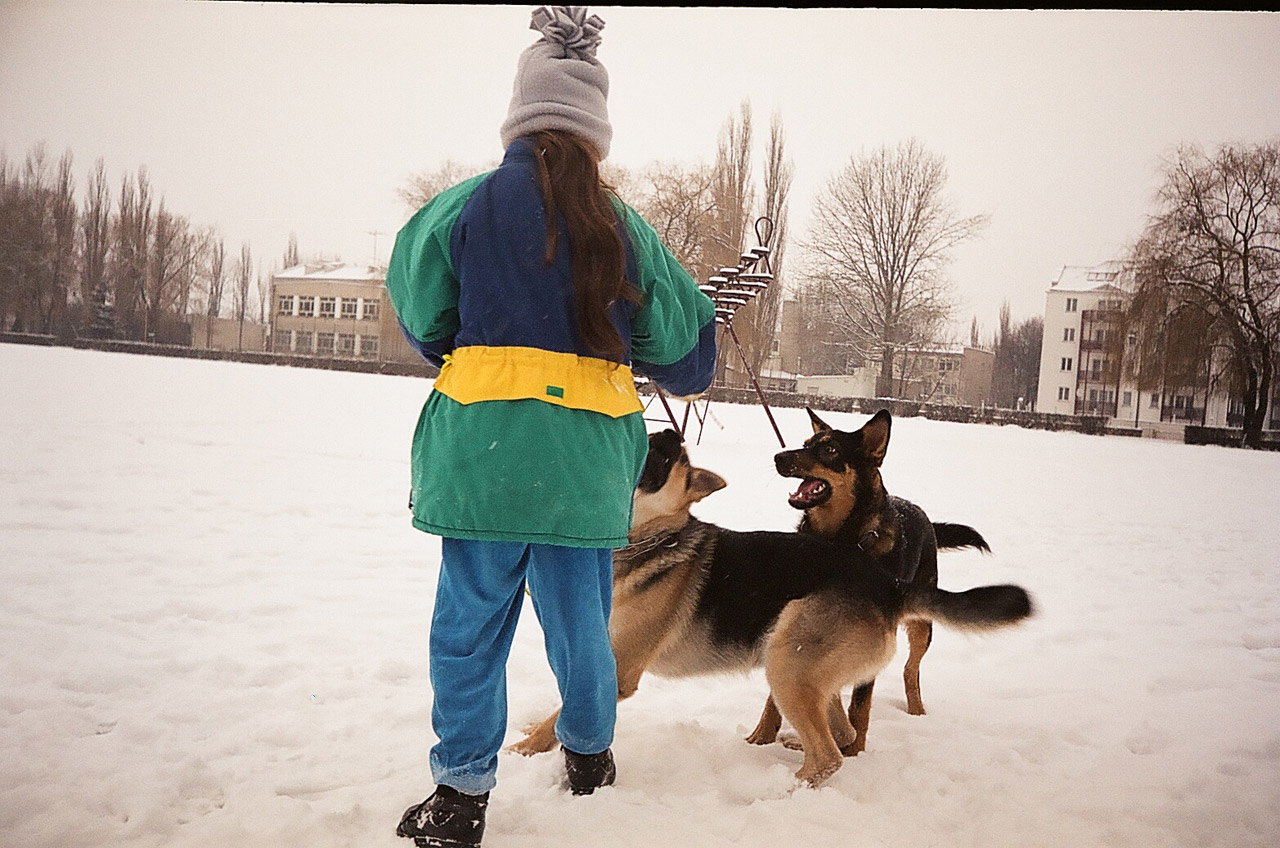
448,819
588,772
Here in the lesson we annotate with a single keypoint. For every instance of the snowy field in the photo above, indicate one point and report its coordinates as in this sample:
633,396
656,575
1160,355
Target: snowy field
214,619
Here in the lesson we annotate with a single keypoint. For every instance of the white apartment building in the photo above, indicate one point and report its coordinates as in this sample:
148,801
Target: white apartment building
1077,374
1082,368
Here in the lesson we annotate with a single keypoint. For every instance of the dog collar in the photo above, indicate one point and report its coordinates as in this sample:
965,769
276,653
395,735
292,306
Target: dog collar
662,540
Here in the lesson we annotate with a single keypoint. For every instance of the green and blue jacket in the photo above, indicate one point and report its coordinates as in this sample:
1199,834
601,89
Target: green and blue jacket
526,435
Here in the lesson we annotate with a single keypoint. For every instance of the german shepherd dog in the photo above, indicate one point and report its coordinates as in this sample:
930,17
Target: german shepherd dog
691,598
843,498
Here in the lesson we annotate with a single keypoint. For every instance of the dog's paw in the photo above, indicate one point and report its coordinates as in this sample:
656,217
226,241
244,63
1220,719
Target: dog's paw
527,747
761,737
813,776
791,741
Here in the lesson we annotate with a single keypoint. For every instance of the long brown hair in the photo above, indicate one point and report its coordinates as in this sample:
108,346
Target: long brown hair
571,187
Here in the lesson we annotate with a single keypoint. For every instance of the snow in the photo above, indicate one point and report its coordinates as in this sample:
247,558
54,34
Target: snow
214,617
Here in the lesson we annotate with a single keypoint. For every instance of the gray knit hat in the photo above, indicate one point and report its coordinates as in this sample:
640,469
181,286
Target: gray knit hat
560,84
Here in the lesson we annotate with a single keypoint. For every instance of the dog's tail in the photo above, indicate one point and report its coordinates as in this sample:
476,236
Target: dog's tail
983,608
953,536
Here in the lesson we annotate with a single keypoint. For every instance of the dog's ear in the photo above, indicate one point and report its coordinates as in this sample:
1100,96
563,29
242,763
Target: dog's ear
703,482
818,424
875,436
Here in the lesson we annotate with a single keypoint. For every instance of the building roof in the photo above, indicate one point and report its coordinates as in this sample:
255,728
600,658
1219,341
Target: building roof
334,271
1084,278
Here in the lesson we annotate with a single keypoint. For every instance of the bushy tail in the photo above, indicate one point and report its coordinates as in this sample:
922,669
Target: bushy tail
953,536
983,608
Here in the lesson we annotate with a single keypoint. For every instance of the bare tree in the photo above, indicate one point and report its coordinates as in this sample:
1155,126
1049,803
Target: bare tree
27,252
172,259
261,292
619,179
291,257
131,240
1207,266
95,238
762,312
62,270
426,185
733,194
822,345
882,237
1015,369
9,199
18,240
732,188
215,282
678,203
243,279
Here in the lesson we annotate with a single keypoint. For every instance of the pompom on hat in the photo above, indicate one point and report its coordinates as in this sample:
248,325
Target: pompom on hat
560,84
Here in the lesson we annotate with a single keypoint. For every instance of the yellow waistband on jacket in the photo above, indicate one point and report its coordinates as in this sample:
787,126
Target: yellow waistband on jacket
478,373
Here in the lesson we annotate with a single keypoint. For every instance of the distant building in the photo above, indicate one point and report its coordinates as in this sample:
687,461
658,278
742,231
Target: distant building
956,375
336,311
860,384
1079,374
945,374
1082,361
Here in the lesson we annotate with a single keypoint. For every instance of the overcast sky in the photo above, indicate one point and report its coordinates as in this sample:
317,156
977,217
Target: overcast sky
270,118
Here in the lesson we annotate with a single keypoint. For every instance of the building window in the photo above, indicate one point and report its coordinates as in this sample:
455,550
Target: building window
1066,363
327,307
302,341
346,344
1155,400
283,340
1072,304
1126,399
350,307
368,347
324,342
306,307
1064,393
1069,334
285,305
370,310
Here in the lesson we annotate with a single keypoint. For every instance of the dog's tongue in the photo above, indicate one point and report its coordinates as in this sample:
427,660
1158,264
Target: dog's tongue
807,489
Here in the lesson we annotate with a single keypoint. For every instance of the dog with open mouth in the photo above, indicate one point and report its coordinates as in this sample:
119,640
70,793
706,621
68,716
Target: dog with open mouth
843,497
692,598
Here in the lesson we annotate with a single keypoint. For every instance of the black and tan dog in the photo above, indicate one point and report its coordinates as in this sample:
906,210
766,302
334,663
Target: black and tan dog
691,598
844,499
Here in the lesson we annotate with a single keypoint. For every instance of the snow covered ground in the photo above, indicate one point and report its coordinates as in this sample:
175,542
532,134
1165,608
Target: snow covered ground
214,613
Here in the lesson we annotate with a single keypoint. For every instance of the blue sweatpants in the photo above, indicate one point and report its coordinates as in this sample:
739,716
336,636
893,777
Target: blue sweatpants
478,601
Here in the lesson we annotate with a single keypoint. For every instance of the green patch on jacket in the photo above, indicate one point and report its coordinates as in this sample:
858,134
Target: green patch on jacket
525,470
